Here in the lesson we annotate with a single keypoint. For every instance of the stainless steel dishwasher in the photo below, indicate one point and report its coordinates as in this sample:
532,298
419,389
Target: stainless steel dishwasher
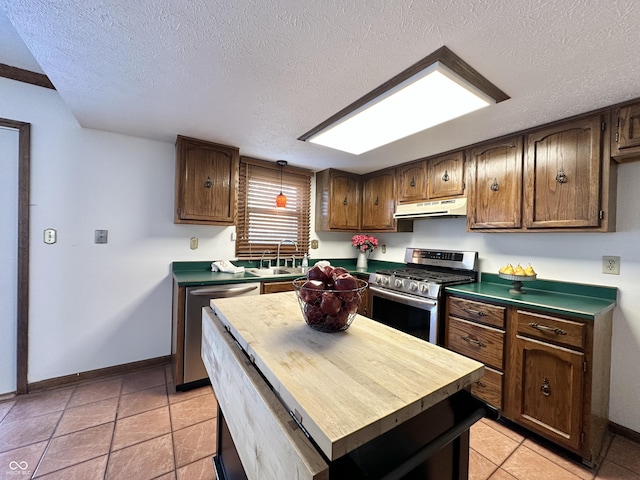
198,297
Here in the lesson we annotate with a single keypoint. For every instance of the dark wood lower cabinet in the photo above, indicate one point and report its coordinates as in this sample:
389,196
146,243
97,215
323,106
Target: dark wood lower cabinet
555,369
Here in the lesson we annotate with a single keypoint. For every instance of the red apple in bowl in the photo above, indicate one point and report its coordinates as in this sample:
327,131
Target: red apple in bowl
318,273
330,303
337,271
345,281
311,290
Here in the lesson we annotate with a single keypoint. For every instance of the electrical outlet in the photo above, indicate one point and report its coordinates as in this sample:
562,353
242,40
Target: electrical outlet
314,244
50,236
611,265
193,243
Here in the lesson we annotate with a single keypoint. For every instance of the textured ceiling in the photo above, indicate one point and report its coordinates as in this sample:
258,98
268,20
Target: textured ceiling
258,74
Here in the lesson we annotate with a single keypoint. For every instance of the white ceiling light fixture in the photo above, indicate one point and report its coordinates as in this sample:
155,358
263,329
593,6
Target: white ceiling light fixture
438,88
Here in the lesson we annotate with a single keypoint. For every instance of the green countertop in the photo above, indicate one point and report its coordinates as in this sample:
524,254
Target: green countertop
578,300
199,273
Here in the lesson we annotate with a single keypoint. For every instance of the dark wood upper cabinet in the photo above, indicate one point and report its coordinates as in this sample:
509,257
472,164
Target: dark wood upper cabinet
562,173
412,182
625,134
379,201
206,182
446,176
337,201
495,185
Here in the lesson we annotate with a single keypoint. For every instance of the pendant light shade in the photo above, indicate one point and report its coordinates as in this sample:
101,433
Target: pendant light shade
281,200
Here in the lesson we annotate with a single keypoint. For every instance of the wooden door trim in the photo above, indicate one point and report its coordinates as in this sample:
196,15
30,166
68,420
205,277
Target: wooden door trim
24,174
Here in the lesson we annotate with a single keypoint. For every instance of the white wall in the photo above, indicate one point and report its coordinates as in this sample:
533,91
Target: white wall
555,256
94,306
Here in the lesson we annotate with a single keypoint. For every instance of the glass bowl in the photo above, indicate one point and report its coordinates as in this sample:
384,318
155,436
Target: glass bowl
329,310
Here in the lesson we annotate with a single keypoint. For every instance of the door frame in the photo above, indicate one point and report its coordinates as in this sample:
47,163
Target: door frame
24,176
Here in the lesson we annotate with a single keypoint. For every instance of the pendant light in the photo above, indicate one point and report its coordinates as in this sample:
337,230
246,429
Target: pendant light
281,200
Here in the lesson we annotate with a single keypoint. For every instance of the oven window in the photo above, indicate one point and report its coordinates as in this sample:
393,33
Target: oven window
412,320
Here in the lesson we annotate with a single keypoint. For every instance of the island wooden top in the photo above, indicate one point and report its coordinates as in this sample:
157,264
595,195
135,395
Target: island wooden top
345,388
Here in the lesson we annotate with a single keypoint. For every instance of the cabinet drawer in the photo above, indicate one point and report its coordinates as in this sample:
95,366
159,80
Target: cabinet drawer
489,387
551,329
477,311
481,343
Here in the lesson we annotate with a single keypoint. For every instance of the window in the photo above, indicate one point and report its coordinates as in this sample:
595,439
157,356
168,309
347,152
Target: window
261,226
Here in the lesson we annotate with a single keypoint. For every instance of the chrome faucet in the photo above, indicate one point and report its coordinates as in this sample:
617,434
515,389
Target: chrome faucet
278,255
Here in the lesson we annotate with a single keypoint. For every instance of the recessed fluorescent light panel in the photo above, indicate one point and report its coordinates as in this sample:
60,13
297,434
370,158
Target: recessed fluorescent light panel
439,88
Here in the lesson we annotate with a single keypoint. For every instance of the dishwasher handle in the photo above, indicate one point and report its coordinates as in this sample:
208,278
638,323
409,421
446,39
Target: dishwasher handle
216,292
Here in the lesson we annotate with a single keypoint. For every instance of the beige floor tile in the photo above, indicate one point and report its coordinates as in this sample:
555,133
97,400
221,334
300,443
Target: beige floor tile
502,475
40,403
504,429
200,470
195,442
480,467
96,391
192,411
142,401
141,427
90,470
626,453
5,407
167,476
85,416
612,471
143,380
25,432
21,462
491,443
175,397
142,461
76,448
525,464
572,466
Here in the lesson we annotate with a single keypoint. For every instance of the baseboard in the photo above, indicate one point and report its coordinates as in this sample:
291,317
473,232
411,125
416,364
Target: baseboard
100,372
624,432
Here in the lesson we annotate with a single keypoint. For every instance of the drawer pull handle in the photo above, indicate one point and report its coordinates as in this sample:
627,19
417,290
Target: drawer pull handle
545,389
480,313
480,384
544,328
474,341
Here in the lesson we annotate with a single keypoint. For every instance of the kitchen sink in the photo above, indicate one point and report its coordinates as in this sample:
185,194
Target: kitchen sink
277,271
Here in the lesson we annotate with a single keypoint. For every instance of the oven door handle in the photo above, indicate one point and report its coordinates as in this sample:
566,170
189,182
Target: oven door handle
403,298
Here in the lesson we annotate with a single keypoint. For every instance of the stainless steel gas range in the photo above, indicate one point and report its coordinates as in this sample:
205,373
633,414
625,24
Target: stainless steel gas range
408,298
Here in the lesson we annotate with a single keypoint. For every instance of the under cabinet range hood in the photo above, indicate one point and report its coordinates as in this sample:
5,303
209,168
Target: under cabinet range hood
455,207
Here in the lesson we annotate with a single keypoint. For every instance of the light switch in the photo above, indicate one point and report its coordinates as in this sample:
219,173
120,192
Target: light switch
193,243
50,236
101,236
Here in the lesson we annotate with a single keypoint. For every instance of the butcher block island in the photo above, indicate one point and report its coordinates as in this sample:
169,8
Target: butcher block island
369,402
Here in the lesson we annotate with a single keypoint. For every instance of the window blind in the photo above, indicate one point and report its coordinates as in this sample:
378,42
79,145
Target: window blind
261,226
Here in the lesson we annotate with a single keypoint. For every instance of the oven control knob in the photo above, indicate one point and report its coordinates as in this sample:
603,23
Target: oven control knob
413,286
383,281
398,283
424,289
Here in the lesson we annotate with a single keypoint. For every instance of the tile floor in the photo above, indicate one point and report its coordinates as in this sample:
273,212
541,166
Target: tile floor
136,427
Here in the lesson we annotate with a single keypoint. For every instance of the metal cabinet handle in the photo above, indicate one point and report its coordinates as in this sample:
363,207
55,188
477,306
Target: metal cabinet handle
494,186
445,177
208,183
544,328
344,202
561,177
413,182
545,389
376,202
474,341
480,313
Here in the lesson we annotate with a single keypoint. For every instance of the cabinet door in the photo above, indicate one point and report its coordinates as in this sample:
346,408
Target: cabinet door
446,176
495,185
412,182
206,182
378,201
625,144
547,390
562,175
344,201
277,287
